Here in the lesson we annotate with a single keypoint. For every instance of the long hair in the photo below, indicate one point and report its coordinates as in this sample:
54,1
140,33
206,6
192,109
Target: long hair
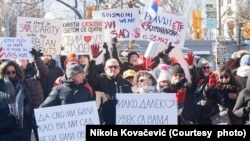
233,81
5,64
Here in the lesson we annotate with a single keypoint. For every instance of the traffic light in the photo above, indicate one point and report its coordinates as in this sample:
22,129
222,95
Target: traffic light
246,30
89,11
197,24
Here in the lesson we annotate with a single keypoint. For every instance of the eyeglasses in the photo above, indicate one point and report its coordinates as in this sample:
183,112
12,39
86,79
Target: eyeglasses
207,67
115,67
180,75
10,72
130,77
226,76
141,80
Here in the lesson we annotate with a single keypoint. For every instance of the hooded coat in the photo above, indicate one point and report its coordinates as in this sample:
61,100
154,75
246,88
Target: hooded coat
242,102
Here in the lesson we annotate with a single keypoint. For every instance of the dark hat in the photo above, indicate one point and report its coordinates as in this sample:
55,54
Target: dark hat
85,55
177,69
132,53
73,68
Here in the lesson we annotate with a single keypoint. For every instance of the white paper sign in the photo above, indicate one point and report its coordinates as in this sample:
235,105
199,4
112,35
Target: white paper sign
146,109
15,48
79,35
66,122
124,24
45,33
164,29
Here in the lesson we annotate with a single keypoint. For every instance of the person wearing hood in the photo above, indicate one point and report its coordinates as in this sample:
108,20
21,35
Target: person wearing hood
54,72
243,71
241,108
71,90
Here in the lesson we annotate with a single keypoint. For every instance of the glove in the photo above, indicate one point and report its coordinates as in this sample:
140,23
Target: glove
149,63
190,58
36,54
212,80
170,47
95,50
105,46
141,63
180,95
114,41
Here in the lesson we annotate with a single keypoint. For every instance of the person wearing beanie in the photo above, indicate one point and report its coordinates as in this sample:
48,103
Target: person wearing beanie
133,57
164,77
243,70
178,74
83,59
71,90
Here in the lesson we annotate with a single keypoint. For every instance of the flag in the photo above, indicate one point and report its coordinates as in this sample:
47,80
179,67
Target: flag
153,7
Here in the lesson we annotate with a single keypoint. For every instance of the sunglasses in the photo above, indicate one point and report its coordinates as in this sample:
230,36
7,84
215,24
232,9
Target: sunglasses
207,67
180,75
115,67
10,72
130,77
141,80
226,76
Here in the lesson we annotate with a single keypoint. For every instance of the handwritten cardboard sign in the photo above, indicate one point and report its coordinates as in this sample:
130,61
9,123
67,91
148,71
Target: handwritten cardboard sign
79,35
164,29
15,48
146,109
124,24
66,122
45,33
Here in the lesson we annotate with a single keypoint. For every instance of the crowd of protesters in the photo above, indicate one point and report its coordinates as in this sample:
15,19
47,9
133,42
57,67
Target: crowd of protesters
204,100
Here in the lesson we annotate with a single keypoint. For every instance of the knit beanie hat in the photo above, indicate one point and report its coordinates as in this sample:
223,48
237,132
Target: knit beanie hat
201,62
132,53
245,60
177,69
164,73
71,57
73,68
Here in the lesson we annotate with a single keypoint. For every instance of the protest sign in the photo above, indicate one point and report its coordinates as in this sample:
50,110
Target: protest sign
146,109
164,29
66,122
45,33
15,48
124,24
79,35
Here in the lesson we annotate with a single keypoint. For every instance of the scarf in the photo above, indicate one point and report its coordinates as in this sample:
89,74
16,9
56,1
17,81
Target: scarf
15,100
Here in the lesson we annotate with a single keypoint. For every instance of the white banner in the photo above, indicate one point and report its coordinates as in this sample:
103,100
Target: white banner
15,48
66,122
146,109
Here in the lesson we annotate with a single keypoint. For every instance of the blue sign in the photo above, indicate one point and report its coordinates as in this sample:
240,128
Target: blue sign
211,23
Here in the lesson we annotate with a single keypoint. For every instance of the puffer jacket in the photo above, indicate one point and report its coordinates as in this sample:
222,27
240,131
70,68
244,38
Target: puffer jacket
67,93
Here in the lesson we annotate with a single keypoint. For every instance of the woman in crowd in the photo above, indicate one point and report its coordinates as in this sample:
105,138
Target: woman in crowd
14,102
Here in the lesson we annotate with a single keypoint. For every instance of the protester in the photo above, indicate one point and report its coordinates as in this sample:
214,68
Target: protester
242,106
54,72
71,90
14,102
110,83
33,72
